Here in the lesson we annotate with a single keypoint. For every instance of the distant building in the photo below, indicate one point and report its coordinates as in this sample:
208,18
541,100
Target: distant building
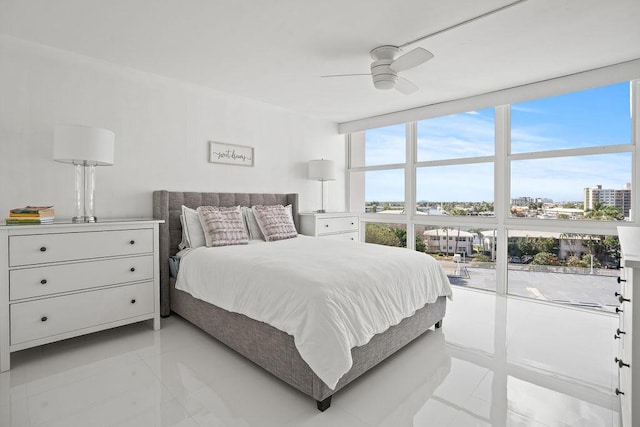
568,244
621,199
431,210
522,201
449,240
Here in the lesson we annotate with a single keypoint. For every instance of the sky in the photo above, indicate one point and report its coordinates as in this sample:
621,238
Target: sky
594,117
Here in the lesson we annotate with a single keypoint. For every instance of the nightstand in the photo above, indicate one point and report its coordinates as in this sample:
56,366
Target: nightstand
63,280
335,225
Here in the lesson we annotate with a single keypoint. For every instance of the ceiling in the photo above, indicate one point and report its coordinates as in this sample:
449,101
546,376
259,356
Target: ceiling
275,51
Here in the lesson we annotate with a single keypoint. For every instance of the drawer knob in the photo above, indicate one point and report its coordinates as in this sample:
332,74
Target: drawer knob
326,225
132,269
619,311
616,337
621,364
353,223
43,249
133,301
619,332
43,319
620,279
618,392
132,242
623,299
43,281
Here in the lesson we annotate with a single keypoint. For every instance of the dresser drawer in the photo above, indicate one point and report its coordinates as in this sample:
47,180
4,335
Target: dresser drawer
44,248
33,320
354,235
336,225
53,279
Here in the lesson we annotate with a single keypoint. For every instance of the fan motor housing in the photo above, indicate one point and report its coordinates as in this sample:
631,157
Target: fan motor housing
384,77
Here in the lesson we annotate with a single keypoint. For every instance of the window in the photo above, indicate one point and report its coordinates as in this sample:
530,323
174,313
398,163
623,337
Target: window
456,136
455,190
454,173
377,159
589,118
571,156
380,146
467,254
522,199
576,187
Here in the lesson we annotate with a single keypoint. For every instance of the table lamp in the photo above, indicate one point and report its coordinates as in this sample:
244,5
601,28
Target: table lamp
322,170
85,148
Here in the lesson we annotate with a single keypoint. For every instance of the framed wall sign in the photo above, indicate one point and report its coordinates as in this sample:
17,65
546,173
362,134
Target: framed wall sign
230,154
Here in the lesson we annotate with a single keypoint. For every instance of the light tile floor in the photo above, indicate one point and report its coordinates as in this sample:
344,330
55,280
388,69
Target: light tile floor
497,361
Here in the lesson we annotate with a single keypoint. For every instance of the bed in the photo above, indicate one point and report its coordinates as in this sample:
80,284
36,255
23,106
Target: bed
265,345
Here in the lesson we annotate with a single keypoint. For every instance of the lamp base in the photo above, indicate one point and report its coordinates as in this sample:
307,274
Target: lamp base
80,219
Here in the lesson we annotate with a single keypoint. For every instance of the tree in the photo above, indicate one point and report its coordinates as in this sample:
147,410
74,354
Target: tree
584,262
545,258
381,234
603,212
455,251
446,230
401,233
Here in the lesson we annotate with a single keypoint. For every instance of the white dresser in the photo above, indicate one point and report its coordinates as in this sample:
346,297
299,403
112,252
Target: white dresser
345,225
628,332
63,280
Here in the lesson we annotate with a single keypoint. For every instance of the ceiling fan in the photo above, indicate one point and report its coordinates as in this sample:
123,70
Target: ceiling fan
388,60
387,64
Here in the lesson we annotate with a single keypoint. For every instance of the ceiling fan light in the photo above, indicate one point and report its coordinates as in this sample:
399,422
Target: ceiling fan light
384,84
385,81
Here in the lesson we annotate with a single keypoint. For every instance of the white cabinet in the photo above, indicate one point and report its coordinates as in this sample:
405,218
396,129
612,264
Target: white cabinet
345,225
63,280
628,333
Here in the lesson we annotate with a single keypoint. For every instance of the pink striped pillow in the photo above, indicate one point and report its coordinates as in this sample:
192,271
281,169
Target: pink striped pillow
223,226
275,223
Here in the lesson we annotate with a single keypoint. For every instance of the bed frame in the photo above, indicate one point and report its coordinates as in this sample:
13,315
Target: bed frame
259,342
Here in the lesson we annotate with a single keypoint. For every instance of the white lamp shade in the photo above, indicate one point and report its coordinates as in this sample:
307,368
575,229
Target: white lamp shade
83,145
322,170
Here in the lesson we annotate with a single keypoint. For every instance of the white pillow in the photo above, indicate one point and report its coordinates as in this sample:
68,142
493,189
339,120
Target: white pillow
252,225
183,243
192,229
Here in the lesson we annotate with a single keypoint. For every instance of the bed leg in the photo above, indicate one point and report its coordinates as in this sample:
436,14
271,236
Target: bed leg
323,405
438,324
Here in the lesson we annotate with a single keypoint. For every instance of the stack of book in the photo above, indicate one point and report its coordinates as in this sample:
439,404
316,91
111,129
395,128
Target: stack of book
30,215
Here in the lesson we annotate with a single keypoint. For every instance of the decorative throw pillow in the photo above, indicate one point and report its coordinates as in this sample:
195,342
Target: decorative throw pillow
192,230
223,226
275,223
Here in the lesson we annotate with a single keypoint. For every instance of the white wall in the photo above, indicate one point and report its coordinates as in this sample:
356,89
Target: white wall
162,127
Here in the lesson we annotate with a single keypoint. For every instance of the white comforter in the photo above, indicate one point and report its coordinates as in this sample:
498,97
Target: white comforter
329,295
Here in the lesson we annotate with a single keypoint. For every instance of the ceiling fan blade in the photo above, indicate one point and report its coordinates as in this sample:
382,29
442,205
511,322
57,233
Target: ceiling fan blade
411,59
405,87
347,75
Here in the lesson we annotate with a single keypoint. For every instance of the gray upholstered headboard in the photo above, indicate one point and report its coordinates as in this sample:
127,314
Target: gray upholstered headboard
167,205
